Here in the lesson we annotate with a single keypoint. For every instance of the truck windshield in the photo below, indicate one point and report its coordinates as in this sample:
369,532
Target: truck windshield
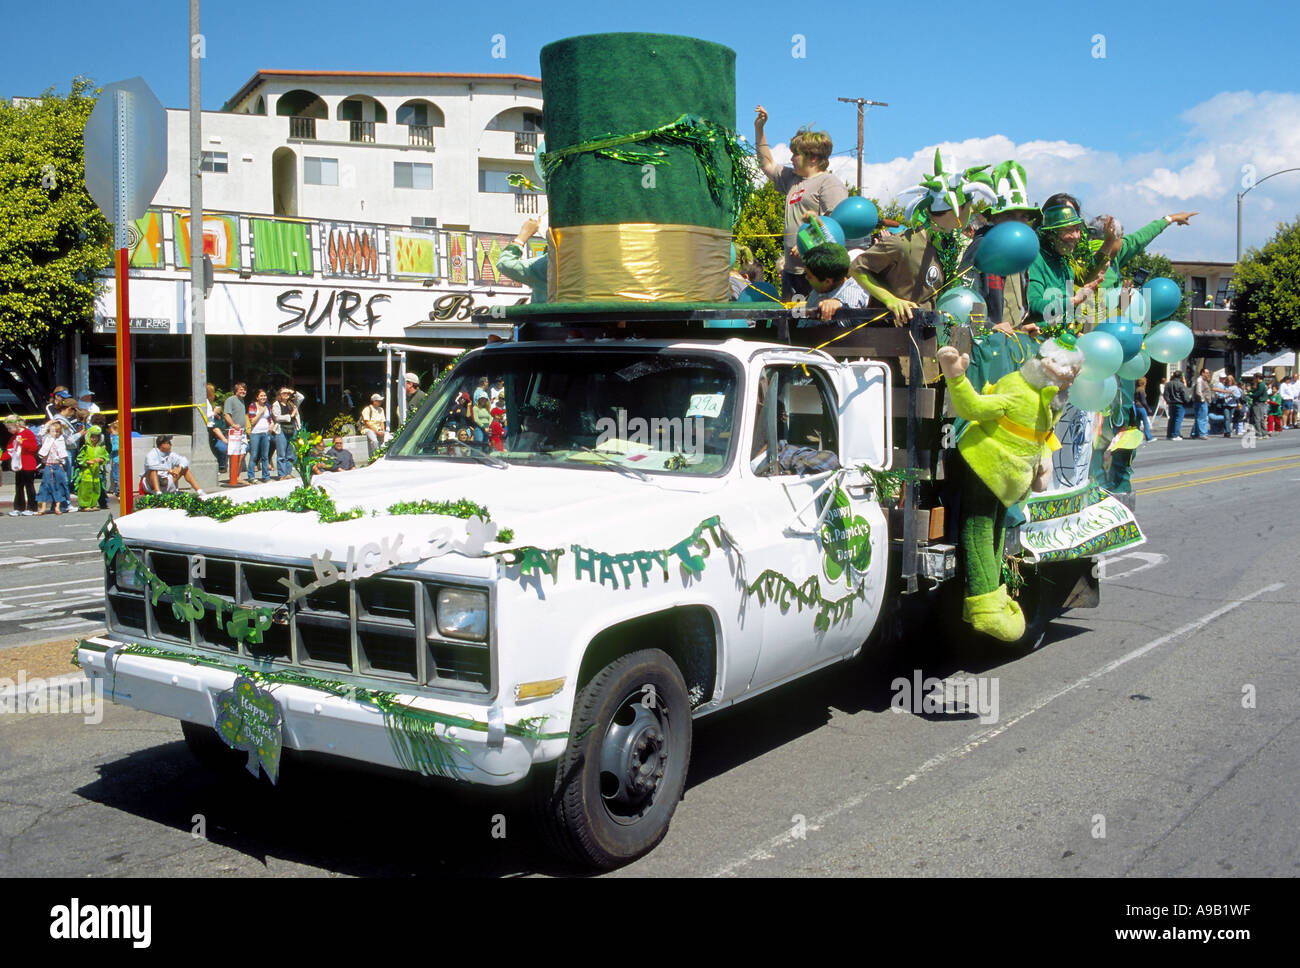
654,411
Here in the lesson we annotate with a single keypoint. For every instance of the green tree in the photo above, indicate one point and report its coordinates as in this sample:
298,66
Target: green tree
54,242
1266,307
1158,265
762,227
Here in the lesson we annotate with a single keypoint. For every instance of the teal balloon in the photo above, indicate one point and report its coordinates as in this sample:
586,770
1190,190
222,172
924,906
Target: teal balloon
1102,355
733,254
1164,297
759,292
1093,395
1128,334
1135,367
959,303
1007,249
857,216
1169,342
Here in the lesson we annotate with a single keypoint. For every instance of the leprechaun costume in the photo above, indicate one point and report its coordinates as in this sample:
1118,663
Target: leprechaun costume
1009,437
93,458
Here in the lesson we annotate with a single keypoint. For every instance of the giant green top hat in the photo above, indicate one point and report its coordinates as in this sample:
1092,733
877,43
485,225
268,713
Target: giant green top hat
643,173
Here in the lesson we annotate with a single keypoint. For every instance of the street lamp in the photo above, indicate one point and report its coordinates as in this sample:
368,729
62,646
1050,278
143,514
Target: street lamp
1241,195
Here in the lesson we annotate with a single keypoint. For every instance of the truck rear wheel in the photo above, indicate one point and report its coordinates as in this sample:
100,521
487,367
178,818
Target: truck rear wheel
612,794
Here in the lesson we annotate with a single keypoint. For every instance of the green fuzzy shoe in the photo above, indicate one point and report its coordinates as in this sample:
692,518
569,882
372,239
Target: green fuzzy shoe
994,614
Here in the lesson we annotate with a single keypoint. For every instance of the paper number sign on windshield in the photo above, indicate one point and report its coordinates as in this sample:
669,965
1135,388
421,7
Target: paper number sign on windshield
706,404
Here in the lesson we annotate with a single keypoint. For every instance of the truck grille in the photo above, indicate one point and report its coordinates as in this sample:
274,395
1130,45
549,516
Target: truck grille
382,627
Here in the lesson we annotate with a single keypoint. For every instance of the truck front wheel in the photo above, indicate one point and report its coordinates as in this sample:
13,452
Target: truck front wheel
613,792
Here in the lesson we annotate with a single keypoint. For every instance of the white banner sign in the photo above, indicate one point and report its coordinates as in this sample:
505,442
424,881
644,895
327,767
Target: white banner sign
1078,524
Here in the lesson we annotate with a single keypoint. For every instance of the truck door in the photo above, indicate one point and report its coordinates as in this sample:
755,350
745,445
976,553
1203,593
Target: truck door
795,442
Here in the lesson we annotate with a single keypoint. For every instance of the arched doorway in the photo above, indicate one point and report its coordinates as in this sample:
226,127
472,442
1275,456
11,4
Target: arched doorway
284,181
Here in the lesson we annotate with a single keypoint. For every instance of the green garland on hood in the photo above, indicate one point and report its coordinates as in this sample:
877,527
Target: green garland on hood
416,744
220,508
301,500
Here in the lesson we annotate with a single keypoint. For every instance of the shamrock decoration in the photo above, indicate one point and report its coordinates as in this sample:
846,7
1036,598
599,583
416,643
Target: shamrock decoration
943,191
846,540
248,718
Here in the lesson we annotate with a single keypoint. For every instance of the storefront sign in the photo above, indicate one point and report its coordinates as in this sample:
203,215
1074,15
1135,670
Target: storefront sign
139,324
330,315
238,307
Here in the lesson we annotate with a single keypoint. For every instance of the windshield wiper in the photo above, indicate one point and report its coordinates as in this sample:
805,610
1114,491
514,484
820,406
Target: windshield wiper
605,461
491,459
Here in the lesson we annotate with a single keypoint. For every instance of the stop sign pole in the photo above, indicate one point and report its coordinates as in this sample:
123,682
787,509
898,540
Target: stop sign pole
123,203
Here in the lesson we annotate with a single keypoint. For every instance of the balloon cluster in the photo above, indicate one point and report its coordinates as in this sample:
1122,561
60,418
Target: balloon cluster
1120,350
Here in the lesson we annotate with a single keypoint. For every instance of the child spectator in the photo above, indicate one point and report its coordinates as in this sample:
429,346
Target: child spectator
54,479
826,268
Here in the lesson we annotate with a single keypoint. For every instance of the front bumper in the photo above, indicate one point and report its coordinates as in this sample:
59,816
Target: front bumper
490,749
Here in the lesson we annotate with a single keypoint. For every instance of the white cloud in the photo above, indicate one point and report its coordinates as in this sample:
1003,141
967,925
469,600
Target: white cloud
1203,173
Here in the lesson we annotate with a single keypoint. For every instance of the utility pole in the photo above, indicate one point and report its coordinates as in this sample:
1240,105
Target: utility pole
200,454
862,103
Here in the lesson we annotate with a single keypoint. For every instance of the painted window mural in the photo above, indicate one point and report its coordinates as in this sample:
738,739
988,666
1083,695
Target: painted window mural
220,241
144,238
349,250
412,255
459,254
281,248
488,249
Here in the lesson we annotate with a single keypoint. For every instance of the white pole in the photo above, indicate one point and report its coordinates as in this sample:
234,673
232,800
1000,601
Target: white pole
388,382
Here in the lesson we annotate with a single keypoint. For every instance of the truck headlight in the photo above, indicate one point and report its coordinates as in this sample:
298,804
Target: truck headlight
462,614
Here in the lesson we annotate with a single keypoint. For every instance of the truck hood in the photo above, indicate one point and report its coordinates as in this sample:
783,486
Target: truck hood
547,507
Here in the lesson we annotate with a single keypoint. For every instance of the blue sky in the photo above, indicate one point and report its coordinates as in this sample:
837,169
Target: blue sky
1185,95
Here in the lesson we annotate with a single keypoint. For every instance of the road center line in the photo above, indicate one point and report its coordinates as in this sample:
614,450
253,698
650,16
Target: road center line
980,739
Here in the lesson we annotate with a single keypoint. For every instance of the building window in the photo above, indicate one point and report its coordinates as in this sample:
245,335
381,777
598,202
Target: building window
413,114
320,171
423,222
408,174
216,162
494,180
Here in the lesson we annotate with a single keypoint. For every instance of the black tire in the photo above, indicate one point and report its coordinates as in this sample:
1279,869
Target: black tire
610,797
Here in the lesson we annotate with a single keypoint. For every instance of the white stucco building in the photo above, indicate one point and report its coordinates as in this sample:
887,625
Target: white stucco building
340,209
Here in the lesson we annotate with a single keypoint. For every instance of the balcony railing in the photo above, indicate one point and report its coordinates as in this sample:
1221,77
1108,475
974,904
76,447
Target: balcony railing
420,134
525,142
361,131
1209,321
302,128
525,203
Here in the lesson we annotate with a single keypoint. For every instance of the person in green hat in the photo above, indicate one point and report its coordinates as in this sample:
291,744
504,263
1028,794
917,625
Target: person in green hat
904,271
1005,295
1068,266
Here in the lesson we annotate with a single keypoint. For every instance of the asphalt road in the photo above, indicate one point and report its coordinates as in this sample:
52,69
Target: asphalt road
1154,735
51,577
